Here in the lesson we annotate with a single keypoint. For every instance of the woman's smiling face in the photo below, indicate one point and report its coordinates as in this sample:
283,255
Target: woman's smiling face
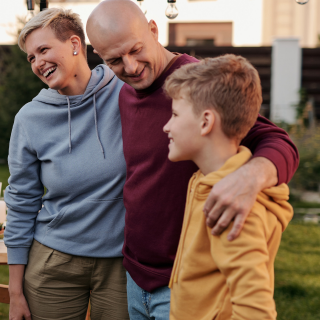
51,60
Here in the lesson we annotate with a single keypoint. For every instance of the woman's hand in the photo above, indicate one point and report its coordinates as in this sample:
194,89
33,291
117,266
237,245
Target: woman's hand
19,309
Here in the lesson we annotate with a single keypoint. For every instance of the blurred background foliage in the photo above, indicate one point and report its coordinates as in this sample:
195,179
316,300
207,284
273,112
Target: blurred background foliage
306,136
18,85
307,176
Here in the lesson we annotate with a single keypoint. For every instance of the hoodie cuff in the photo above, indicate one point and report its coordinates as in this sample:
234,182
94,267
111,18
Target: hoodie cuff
18,255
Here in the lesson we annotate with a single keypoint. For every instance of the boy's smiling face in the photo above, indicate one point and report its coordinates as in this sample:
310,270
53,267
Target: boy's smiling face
184,131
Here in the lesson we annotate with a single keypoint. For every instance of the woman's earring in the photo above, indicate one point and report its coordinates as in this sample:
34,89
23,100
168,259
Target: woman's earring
75,53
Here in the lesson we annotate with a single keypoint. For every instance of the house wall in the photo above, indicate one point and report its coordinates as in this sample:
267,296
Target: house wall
285,18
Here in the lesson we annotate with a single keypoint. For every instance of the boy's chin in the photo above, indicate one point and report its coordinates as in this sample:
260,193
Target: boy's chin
172,158
175,158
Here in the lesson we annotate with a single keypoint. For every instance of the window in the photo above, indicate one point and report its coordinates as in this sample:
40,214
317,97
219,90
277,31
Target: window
199,42
200,34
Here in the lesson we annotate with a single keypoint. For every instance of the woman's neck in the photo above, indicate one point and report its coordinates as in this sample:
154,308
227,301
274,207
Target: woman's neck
80,80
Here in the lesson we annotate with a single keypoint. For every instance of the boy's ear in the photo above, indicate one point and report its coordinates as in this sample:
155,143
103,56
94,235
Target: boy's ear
207,122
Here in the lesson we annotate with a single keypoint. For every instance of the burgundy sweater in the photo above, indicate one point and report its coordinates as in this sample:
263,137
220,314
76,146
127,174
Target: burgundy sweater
155,189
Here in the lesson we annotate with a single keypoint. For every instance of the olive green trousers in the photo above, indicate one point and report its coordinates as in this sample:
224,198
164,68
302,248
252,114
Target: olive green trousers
58,286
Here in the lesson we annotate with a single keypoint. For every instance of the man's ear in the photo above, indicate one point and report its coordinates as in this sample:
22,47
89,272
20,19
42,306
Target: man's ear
76,43
207,122
154,29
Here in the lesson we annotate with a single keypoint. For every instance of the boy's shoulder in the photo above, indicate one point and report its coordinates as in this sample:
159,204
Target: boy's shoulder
272,205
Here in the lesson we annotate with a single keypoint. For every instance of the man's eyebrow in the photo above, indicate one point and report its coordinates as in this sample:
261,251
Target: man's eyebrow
132,48
111,59
137,44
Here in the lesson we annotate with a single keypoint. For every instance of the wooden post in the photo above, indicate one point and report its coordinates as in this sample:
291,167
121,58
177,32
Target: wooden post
4,294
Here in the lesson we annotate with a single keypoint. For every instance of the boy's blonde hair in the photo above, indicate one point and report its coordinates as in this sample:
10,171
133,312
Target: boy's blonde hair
229,84
63,23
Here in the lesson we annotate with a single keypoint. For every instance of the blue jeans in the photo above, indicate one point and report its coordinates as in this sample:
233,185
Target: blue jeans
144,305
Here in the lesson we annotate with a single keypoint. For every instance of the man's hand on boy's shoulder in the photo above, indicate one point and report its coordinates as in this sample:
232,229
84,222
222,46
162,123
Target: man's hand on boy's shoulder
233,197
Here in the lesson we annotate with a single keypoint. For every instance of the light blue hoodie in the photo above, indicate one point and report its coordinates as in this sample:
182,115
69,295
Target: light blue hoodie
72,145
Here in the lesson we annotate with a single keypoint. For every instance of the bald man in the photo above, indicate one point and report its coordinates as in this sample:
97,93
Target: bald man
155,189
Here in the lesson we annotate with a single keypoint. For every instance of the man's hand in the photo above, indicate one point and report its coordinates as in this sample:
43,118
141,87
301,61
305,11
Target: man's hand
233,197
19,309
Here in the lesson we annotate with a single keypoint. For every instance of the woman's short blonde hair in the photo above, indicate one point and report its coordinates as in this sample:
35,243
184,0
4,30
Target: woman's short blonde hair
63,23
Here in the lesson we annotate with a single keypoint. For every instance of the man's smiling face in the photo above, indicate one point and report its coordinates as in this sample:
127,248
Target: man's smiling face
132,54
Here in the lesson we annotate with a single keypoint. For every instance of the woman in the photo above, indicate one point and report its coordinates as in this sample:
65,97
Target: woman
68,242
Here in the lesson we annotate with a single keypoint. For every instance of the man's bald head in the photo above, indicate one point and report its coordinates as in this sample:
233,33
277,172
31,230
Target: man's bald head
114,18
121,35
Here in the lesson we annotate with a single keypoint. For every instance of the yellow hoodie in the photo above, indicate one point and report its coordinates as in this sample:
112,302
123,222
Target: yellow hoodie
213,278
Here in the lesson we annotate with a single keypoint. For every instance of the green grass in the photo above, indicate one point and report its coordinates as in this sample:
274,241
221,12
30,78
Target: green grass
302,204
297,269
297,273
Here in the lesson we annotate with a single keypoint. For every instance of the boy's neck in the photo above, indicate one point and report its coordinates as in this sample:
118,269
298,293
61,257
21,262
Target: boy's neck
215,153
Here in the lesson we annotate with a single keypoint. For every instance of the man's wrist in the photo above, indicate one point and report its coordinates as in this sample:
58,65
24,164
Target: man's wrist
264,171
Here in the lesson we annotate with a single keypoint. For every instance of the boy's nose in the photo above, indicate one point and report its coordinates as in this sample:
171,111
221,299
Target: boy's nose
166,128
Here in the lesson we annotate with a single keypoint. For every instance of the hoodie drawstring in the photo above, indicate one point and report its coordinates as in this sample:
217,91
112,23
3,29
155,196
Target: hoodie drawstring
96,123
69,123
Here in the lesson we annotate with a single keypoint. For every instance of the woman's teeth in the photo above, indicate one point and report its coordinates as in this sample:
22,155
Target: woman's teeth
49,71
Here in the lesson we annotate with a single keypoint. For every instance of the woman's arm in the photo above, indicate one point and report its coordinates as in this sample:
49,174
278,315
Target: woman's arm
24,199
23,196
19,309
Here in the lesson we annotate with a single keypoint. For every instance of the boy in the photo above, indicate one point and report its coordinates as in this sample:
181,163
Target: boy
215,103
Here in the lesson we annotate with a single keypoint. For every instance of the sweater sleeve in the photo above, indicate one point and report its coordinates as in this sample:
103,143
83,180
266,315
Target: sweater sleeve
267,140
23,196
243,262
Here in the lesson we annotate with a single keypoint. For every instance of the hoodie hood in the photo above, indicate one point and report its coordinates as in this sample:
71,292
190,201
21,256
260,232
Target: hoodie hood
275,199
100,77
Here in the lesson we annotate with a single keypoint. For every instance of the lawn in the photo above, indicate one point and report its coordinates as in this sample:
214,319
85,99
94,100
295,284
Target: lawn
297,268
